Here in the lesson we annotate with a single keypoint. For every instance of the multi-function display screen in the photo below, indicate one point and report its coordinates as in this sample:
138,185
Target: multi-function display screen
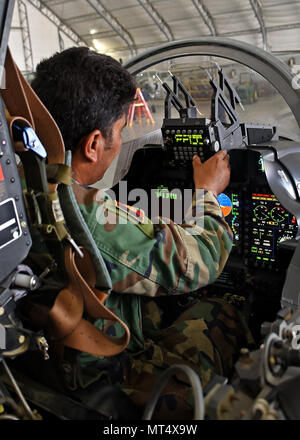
271,224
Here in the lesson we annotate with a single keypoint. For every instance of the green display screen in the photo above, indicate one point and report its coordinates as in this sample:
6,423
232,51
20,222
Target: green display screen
191,139
164,193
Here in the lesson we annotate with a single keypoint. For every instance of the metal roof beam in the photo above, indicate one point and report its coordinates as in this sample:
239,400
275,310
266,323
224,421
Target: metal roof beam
58,2
230,34
59,23
257,9
282,27
157,18
82,18
270,29
98,7
26,39
206,16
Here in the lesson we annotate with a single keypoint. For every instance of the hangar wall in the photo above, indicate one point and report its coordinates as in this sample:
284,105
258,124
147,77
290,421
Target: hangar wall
44,36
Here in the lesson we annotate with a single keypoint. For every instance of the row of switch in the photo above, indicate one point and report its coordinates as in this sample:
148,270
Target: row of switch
179,131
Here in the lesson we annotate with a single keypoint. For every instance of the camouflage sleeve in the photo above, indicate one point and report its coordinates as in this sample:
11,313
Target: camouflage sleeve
165,258
198,249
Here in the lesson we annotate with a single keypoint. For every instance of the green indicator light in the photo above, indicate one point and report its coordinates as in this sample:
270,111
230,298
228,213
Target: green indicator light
266,259
258,258
178,137
192,139
164,193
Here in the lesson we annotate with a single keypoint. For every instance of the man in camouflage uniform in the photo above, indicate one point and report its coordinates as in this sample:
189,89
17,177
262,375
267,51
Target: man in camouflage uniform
88,95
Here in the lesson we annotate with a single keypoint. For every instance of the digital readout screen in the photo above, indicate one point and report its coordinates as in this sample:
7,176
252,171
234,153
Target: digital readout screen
189,139
271,224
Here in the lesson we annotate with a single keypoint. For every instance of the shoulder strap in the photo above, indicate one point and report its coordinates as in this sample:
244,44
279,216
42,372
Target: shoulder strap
64,319
81,233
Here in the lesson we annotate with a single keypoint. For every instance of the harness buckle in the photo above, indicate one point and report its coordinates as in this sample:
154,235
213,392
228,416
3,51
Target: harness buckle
30,140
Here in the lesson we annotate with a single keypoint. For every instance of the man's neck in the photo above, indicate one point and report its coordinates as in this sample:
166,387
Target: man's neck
80,172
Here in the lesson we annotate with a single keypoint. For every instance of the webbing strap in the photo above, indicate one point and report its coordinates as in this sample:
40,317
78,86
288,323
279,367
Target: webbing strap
58,173
64,319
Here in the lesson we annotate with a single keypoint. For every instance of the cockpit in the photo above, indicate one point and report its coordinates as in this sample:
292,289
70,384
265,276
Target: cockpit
162,136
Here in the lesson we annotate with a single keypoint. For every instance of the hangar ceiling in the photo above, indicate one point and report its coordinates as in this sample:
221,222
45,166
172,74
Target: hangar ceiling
123,28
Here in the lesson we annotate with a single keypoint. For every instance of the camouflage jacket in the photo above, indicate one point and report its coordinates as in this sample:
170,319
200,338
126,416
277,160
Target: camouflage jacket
153,259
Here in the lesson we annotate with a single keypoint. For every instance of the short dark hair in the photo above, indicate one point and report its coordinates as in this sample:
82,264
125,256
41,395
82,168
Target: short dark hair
84,91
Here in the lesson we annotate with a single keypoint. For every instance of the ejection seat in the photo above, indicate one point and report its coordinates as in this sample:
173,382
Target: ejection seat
57,387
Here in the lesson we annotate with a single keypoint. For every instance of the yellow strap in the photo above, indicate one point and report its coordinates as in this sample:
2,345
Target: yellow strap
58,173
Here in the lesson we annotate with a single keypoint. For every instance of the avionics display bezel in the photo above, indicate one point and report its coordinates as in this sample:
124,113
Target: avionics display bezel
236,213
269,223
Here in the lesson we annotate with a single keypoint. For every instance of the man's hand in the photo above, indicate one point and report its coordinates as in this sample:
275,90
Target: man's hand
214,174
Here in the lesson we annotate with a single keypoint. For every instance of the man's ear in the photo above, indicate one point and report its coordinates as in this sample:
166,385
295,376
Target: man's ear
92,146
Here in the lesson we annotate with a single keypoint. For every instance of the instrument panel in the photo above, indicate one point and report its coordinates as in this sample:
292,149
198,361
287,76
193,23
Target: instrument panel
260,226
263,229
